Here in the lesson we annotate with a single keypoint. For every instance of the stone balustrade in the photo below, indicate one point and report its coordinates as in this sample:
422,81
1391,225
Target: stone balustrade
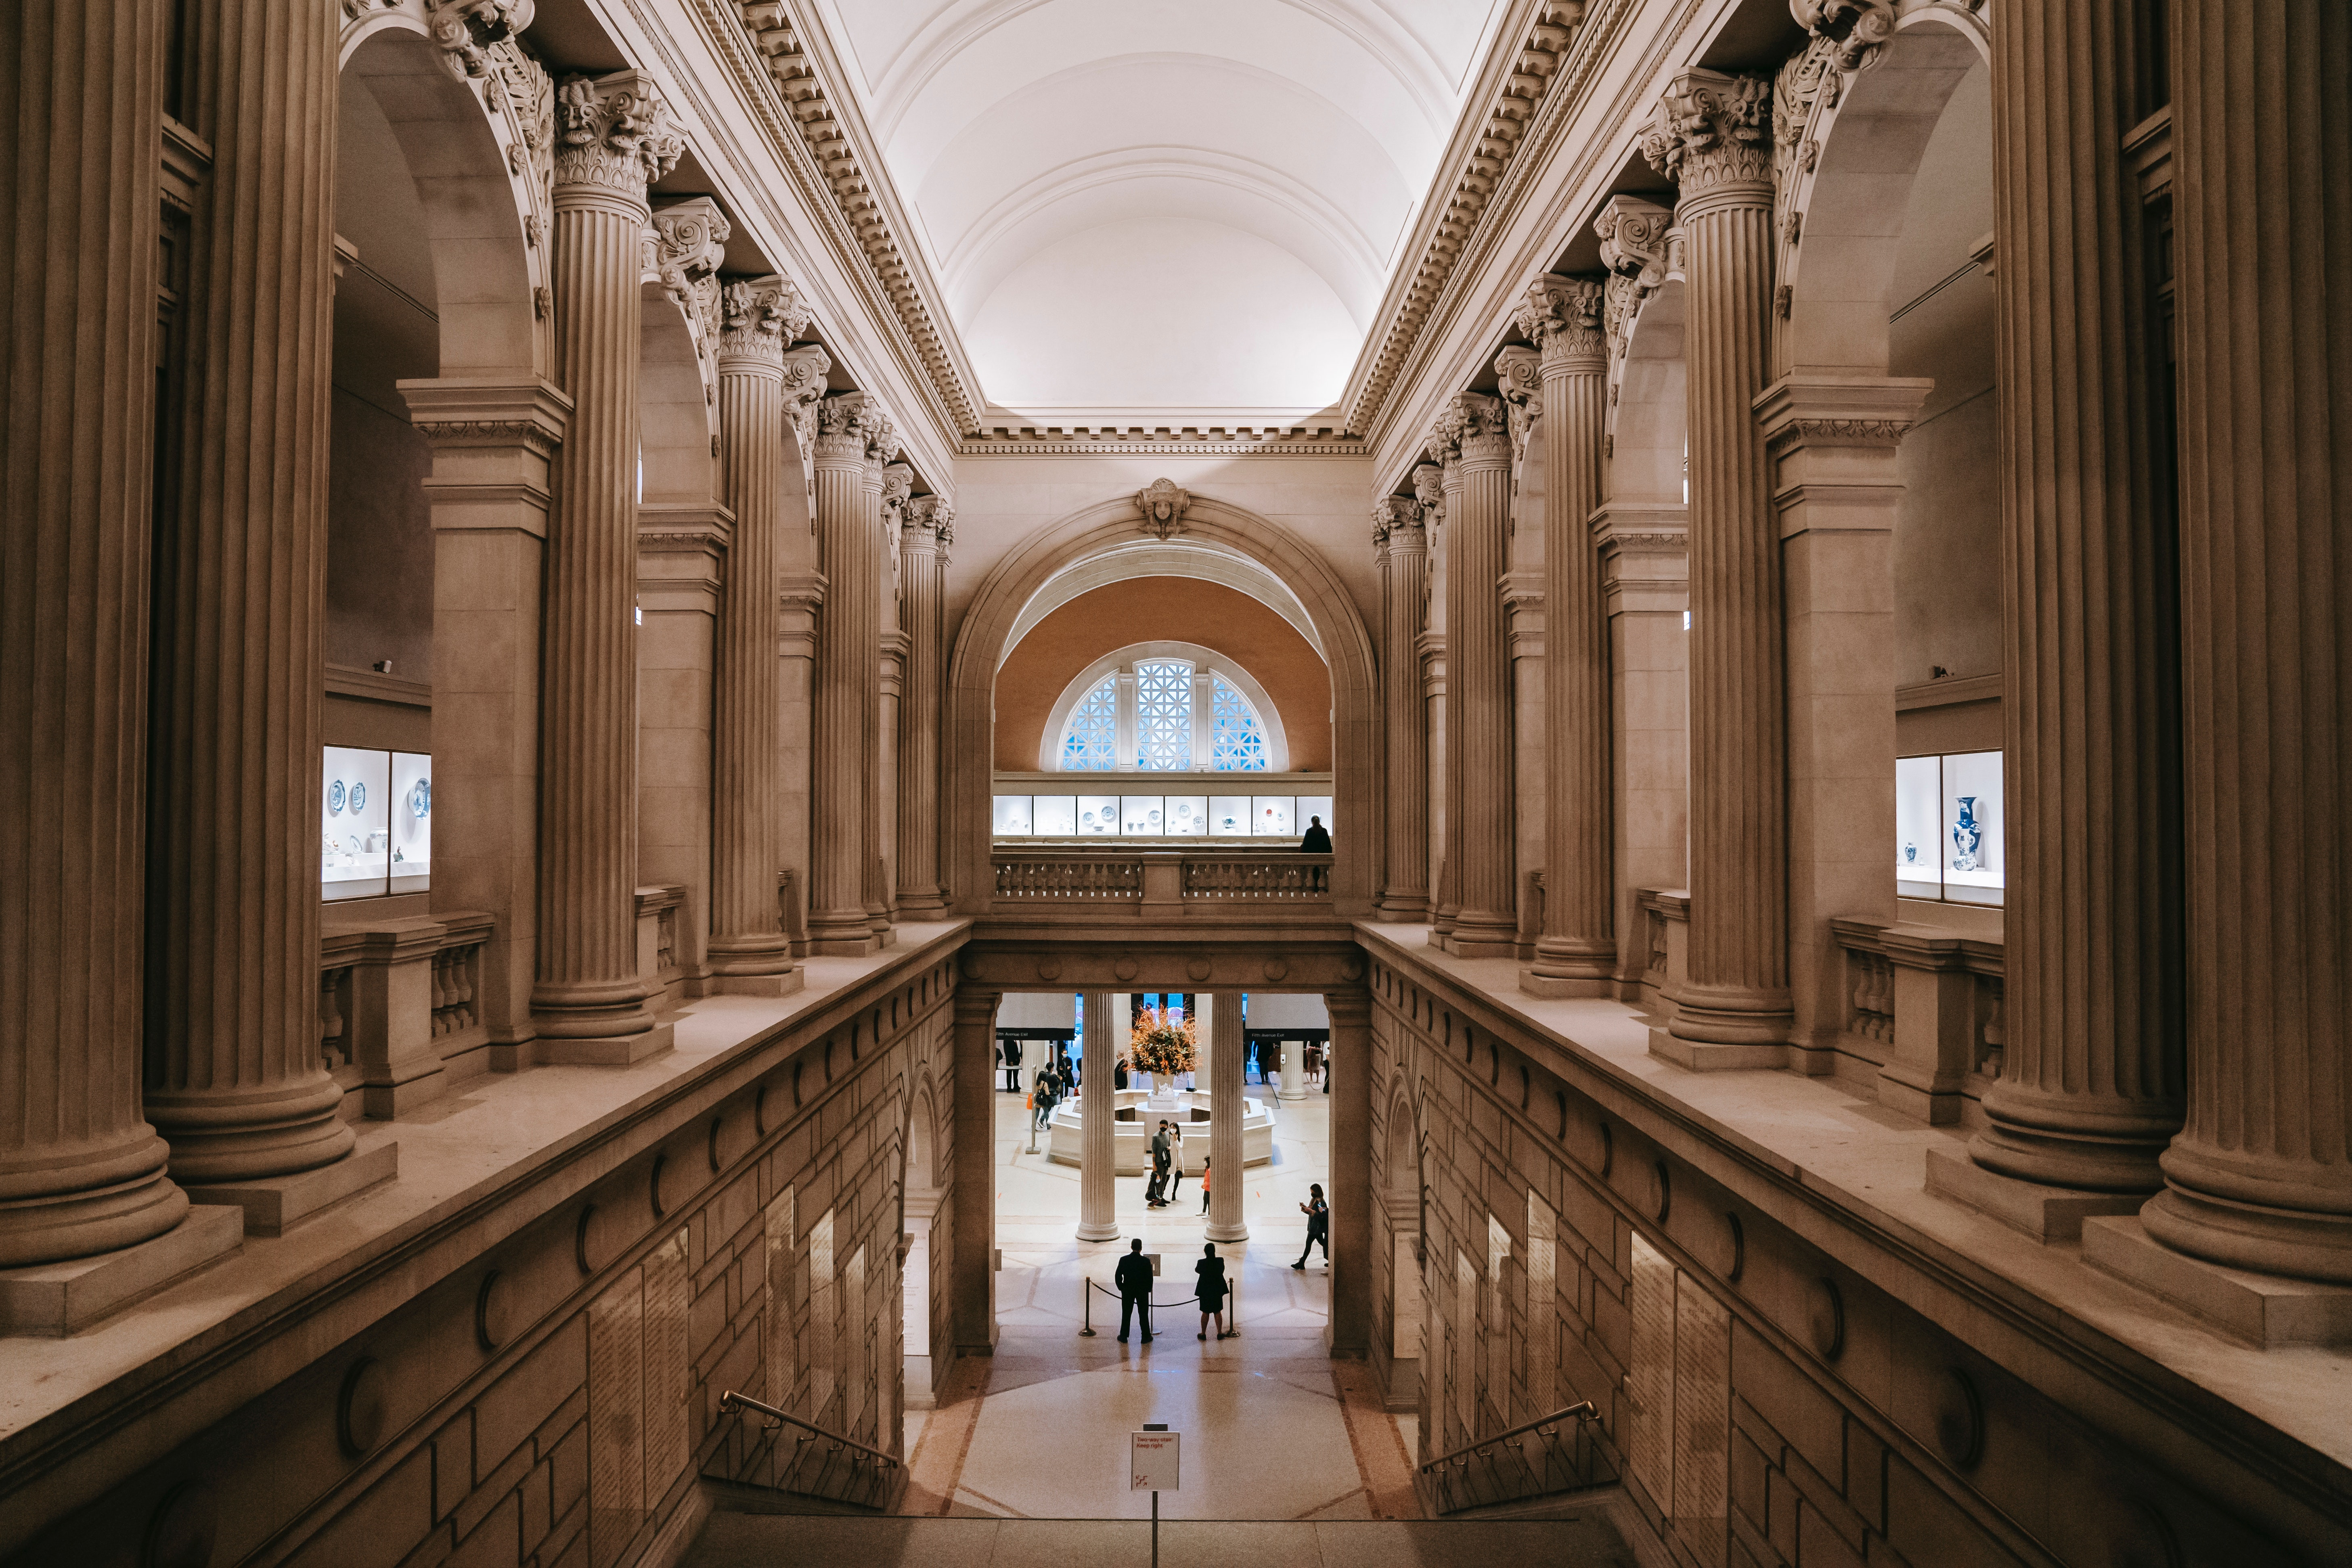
398,1001
1177,883
1925,1006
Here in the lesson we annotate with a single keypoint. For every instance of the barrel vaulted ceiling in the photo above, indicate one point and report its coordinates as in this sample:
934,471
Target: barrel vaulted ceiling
1154,208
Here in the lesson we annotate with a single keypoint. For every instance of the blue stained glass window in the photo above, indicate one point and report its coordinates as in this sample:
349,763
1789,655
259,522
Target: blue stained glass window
1163,714
1090,744
1238,741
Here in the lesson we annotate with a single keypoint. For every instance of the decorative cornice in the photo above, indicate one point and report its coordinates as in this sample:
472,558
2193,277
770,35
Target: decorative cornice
1840,432
1558,43
1163,504
528,434
758,316
1519,380
834,170
615,133
1710,130
1855,30
1029,441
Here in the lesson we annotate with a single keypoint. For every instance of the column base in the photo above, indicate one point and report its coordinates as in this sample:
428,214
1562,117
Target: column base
2261,1308
1462,943
922,904
1533,983
274,1204
1707,1055
2045,1214
1401,909
860,946
1732,1015
607,1051
1215,1232
51,1300
2235,1235
783,983
1100,1231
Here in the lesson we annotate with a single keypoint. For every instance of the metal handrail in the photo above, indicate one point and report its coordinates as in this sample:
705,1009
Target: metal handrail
730,1400
1581,1410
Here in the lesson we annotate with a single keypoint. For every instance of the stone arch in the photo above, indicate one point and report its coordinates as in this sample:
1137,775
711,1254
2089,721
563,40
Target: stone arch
677,405
1852,189
981,642
1649,414
480,152
919,1142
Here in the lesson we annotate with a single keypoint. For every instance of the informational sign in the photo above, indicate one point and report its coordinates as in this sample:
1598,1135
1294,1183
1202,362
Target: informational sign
1153,1460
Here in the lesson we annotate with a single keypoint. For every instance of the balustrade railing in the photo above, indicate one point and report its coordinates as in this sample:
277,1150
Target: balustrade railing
1560,1453
1074,877
1159,880
350,1024
1275,876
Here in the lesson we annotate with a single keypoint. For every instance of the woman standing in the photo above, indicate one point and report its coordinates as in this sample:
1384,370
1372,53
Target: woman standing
1175,1159
1318,1225
1212,1288
1205,1173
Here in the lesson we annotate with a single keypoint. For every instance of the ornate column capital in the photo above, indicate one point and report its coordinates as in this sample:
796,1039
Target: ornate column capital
614,136
928,522
464,30
1562,316
853,427
1856,30
1396,523
898,484
1520,384
1474,425
684,243
1429,489
757,317
1633,235
1712,133
805,369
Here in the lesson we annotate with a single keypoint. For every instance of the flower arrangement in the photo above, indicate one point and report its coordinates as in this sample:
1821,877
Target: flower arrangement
1160,1043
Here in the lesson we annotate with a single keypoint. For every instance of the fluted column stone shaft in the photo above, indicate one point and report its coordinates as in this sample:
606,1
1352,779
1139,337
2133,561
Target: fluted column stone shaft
615,138
847,676
1478,678
233,1077
924,537
1576,955
1401,550
1713,138
1228,1219
1099,1129
890,484
81,1171
2261,1176
748,951
2090,1087
1438,486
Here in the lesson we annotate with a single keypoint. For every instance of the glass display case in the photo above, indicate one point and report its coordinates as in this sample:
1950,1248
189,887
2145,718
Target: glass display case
1139,814
354,824
1188,816
1274,815
1098,814
1135,815
412,822
1950,832
1229,816
1053,815
1313,805
1012,817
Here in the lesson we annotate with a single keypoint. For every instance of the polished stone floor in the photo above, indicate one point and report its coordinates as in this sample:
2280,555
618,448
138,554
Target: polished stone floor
1274,1429
1579,1539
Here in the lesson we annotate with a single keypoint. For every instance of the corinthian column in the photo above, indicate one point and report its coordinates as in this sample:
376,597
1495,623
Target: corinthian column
888,485
81,1170
848,675
2260,1177
615,137
749,953
235,1081
926,531
1228,1220
1436,485
1098,1122
1401,548
1479,675
1577,954
2090,1084
1712,137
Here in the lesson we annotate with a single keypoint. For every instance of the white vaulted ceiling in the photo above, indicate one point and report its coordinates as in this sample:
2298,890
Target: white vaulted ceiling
1162,206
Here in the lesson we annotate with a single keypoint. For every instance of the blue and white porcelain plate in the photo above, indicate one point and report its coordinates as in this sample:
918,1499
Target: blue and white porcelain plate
420,799
335,796
358,797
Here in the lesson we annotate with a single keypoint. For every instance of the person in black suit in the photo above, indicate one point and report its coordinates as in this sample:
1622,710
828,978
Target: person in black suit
1211,1270
1133,1278
1154,1190
1011,1054
1316,840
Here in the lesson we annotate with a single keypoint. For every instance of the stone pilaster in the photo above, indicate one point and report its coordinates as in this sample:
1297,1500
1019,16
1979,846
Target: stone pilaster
926,531
1712,137
972,1275
614,136
2090,1085
1348,1080
848,674
1473,429
233,1077
1577,954
1437,484
1401,548
1228,1219
749,953
81,1171
892,483
1097,1112
2261,1176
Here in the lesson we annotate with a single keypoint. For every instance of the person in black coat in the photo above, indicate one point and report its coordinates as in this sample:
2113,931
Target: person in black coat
1212,1288
1317,840
1133,1278
1318,1225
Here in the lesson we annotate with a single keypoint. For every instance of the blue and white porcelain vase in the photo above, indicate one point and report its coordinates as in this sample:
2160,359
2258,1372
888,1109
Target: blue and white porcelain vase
1967,838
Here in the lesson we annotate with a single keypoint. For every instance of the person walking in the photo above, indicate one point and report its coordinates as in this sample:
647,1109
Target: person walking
1133,1278
1205,1174
1211,1271
1155,1193
1318,1225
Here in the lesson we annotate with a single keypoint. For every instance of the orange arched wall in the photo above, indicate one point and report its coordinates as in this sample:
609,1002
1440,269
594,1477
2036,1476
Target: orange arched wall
1155,609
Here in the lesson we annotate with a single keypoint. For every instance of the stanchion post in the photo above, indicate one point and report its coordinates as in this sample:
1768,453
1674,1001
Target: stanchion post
1086,1308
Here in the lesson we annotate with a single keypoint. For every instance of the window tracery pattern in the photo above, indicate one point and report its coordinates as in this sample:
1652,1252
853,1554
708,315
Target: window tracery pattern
1237,740
1163,714
1090,743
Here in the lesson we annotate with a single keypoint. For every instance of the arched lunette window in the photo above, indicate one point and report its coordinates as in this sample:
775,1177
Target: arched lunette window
1162,707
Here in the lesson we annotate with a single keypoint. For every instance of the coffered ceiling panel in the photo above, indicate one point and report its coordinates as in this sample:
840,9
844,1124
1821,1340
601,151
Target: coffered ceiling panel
1162,206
